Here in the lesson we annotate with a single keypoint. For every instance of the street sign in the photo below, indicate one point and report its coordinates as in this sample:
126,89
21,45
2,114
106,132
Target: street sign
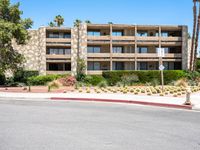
161,67
161,52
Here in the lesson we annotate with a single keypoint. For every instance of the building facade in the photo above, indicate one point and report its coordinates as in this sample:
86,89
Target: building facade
53,50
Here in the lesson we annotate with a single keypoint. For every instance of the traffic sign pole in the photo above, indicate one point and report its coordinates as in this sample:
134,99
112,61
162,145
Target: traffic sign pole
162,74
161,54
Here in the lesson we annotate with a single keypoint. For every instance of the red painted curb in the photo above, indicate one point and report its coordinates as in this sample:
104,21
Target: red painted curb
125,101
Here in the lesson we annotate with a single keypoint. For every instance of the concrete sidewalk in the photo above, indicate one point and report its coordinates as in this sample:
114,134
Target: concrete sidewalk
174,102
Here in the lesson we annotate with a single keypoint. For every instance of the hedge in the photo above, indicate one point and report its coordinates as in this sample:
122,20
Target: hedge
94,79
23,75
2,79
43,80
113,77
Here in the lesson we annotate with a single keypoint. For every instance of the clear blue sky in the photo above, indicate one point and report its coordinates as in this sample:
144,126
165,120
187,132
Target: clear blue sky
169,12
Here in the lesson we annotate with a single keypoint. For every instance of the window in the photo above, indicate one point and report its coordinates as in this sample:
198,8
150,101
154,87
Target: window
164,34
142,33
94,66
118,66
157,34
67,35
167,50
58,51
142,50
94,33
95,49
177,66
117,33
53,35
143,66
166,65
59,67
117,49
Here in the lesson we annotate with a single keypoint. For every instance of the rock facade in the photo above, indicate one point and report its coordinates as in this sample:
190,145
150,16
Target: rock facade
34,51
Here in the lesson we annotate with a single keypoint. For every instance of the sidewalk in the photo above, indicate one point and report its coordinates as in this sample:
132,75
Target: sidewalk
173,102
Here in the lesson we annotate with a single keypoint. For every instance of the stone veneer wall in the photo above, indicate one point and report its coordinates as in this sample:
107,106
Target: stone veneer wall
34,51
185,48
82,46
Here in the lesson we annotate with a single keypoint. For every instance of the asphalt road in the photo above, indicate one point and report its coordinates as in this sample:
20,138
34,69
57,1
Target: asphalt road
26,125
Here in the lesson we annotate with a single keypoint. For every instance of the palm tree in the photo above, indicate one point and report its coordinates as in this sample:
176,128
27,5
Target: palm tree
59,20
193,35
51,24
88,21
196,40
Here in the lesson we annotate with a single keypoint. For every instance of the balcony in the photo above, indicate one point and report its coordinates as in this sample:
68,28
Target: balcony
58,72
155,55
171,39
98,55
123,38
99,37
57,40
94,72
123,55
68,56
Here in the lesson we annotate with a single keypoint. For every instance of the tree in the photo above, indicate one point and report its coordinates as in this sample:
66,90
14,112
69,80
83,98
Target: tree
12,27
88,21
51,24
59,20
195,35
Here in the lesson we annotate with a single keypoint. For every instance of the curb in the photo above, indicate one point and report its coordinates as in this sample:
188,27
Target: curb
125,101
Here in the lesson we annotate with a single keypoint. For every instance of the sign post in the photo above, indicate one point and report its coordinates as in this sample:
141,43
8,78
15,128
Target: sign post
161,54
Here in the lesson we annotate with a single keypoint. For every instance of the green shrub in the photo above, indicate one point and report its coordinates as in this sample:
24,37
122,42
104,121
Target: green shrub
103,84
93,79
2,79
129,79
23,75
113,77
173,75
198,65
43,80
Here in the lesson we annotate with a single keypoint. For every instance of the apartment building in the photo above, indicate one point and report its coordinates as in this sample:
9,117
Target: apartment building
53,50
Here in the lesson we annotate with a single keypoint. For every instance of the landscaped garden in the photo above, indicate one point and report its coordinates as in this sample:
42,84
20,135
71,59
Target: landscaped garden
121,82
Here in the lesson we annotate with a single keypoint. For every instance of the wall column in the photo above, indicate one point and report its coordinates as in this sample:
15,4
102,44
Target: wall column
111,47
136,48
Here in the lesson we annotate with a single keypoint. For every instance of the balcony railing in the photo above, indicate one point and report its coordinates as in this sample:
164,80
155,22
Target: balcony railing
58,72
53,56
57,40
100,55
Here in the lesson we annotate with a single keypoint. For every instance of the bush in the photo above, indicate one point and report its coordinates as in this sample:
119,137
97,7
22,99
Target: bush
129,79
198,65
53,85
173,75
113,77
67,81
103,84
23,75
2,79
93,79
43,80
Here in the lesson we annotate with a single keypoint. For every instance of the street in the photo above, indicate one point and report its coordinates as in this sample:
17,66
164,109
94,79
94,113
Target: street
62,125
